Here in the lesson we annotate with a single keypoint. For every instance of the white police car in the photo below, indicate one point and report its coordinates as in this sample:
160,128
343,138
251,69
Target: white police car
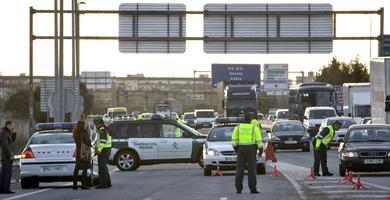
49,155
154,141
218,149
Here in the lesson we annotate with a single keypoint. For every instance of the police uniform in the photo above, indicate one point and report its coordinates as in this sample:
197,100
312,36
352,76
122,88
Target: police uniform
246,139
104,151
256,123
321,143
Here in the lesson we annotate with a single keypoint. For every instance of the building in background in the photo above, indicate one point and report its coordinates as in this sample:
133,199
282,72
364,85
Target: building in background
306,79
96,80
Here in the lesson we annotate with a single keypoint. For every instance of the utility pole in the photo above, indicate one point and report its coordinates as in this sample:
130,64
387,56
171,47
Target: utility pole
31,75
61,65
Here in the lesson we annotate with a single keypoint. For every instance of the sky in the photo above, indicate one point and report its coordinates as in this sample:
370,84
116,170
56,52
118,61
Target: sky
105,56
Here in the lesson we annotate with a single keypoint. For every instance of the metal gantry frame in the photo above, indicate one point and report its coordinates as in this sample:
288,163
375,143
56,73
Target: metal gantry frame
76,37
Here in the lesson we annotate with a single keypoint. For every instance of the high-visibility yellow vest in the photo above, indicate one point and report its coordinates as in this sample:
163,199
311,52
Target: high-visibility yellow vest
103,143
325,140
247,134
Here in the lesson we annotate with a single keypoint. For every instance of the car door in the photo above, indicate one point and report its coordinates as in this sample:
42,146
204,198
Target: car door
146,141
173,142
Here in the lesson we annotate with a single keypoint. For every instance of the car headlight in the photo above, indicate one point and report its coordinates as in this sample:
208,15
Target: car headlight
305,137
212,152
349,154
388,155
274,137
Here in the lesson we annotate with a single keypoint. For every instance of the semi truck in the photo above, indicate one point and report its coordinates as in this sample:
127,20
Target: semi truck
305,95
236,98
357,100
380,90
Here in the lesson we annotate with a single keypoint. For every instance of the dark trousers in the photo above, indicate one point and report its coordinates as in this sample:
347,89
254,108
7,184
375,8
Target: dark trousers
320,157
6,174
246,157
80,165
104,175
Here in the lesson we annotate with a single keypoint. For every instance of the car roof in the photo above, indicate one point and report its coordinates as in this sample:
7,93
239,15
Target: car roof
278,110
288,121
53,131
320,108
370,126
211,110
339,118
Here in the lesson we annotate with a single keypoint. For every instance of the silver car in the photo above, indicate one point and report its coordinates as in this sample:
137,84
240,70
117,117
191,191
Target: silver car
346,122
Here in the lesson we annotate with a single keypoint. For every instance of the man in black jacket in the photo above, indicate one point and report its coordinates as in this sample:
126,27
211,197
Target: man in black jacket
7,155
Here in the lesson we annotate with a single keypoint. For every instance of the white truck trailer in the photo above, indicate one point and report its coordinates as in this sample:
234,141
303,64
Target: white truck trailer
380,90
357,100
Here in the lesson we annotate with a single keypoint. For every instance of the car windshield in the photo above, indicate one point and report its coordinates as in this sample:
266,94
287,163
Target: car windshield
221,134
52,138
205,114
188,116
345,123
282,115
371,134
288,127
116,114
321,114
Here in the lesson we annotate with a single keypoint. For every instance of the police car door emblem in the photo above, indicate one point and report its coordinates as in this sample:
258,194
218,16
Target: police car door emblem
175,145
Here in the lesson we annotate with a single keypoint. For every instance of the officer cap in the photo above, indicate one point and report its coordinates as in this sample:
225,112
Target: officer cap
337,122
98,119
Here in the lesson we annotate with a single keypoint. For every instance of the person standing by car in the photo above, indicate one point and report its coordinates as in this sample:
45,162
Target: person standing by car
7,155
321,143
103,150
246,140
83,153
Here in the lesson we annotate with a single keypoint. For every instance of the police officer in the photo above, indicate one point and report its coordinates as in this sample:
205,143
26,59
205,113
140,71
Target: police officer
103,150
246,140
256,122
321,143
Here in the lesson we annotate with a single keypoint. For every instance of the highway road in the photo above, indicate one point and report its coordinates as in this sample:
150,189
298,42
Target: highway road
186,181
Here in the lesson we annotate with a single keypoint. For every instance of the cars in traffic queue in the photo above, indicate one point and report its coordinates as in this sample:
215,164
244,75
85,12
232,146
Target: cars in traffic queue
366,148
346,122
204,118
218,150
154,141
188,119
366,120
313,117
290,134
281,114
49,155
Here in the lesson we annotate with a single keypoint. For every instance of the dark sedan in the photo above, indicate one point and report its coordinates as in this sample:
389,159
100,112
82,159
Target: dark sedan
290,134
366,148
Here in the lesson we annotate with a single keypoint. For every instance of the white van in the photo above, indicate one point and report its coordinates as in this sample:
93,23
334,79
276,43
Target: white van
314,116
281,114
204,118
112,113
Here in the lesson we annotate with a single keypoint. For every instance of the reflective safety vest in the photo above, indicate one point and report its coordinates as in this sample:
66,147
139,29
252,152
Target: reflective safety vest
256,123
325,140
247,134
103,143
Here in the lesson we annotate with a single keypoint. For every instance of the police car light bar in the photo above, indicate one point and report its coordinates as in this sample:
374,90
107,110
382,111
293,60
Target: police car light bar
227,120
55,125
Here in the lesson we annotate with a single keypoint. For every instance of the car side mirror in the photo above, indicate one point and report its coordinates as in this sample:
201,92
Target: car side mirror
387,105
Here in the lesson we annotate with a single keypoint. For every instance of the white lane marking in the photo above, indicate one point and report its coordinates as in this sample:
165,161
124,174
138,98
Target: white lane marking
353,191
358,196
330,186
296,185
28,194
148,199
319,182
223,198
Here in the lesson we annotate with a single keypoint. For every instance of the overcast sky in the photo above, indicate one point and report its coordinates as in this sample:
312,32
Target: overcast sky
105,56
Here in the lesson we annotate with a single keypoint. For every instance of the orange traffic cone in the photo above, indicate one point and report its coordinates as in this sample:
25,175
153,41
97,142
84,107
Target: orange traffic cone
345,179
275,173
387,197
218,172
311,175
349,179
269,153
359,184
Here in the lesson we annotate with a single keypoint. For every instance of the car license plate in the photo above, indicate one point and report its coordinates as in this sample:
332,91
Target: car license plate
373,161
52,168
230,158
290,142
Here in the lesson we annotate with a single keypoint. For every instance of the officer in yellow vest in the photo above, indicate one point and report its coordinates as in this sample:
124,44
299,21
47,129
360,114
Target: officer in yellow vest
246,140
256,122
321,143
103,150
178,131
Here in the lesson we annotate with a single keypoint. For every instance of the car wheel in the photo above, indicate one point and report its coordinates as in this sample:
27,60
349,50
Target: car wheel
207,171
260,168
127,161
342,170
25,183
200,159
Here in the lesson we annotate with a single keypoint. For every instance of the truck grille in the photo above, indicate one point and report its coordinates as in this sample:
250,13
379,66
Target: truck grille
228,153
373,154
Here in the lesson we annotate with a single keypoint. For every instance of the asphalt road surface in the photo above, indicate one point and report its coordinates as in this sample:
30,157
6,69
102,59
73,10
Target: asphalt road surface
186,181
